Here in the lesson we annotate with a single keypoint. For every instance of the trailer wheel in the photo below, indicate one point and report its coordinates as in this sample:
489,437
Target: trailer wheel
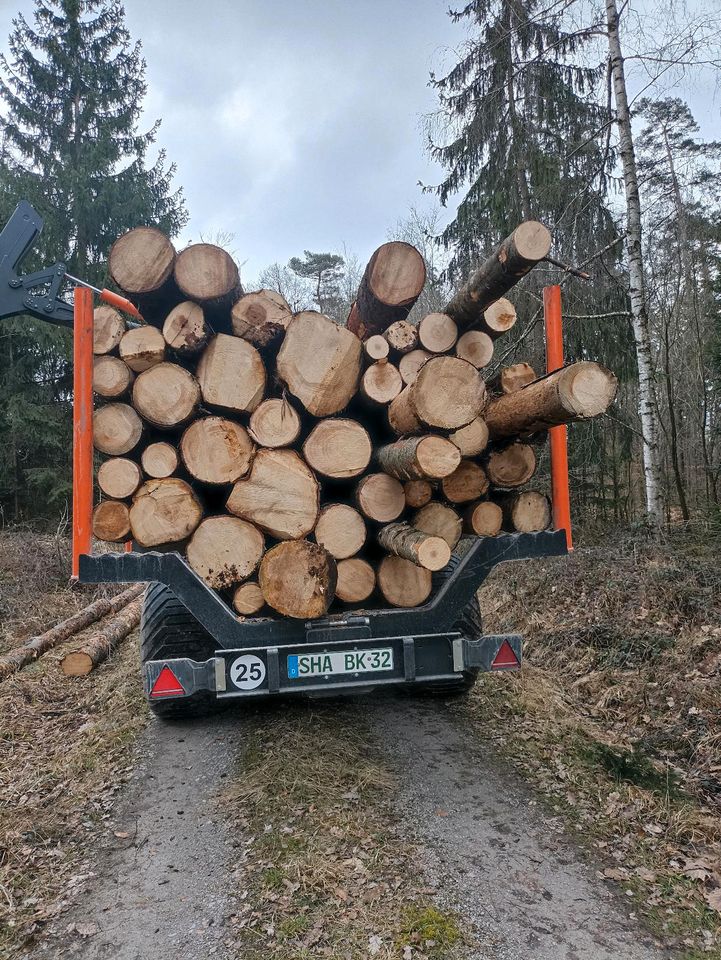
168,630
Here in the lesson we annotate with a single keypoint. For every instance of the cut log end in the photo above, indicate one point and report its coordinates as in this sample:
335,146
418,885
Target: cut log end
338,448
142,348
298,579
261,317
402,336
467,482
164,511
513,378
403,583
231,374
356,580
117,429
411,363
185,330
381,383
440,521
280,495
418,458
248,599
476,347
141,261
108,329
499,317
483,519
166,395
341,530
511,466
159,460
471,439
418,493
274,423
112,378
526,512
376,347
119,478
423,549
111,521
532,240
216,450
437,332
447,393
391,284
207,274
380,497
225,550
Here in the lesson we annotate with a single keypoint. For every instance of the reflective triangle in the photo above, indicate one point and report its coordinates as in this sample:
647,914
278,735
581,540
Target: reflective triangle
505,657
167,685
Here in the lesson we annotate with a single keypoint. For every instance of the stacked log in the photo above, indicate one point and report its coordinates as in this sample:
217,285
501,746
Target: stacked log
298,463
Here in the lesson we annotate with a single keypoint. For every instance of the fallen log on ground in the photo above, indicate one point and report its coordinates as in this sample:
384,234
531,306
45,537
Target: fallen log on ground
83,659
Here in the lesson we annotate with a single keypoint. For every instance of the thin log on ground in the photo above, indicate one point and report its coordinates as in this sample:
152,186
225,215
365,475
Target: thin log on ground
437,332
92,652
216,450
356,580
108,329
248,599
417,493
381,383
467,482
403,583
423,549
117,429
185,330
141,263
338,448
112,378
510,379
471,439
483,519
341,530
274,423
577,392
440,521
419,458
298,579
166,395
142,348
402,336
392,282
119,478
21,656
164,511
231,374
225,550
111,521
410,363
261,317
523,249
376,348
476,347
525,512
511,466
206,274
280,495
380,497
159,460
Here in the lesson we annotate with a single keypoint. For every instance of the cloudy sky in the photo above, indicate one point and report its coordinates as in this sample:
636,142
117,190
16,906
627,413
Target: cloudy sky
296,124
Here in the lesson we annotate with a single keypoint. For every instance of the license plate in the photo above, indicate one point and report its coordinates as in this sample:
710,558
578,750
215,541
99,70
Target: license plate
352,661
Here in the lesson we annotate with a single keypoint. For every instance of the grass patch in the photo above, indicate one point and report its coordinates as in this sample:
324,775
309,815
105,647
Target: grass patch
431,931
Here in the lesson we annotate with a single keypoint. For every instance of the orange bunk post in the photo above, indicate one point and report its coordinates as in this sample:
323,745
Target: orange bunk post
558,435
82,425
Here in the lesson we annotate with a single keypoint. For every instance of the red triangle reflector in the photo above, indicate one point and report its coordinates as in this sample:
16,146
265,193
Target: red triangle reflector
505,657
167,685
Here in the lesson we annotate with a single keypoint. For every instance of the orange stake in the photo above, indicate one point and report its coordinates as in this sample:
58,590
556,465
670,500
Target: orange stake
82,426
558,435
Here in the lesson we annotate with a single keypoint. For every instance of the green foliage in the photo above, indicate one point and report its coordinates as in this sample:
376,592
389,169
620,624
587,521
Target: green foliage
325,271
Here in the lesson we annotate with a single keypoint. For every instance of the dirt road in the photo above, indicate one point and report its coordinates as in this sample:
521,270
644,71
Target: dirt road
163,887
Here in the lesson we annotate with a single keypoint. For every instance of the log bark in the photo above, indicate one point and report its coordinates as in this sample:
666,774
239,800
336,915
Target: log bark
248,599
476,347
577,392
21,656
108,329
380,497
111,521
419,458
92,652
526,512
402,417
341,530
141,263
467,482
440,521
402,583
159,460
417,493
111,377
338,448
483,519
261,317
119,478
274,423
392,282
376,348
281,495
225,550
216,450
164,511
402,336
437,332
320,363
142,348
117,429
471,439
447,394
185,330
423,549
356,580
523,249
207,275
298,579
381,383
166,395
511,466
498,318
231,374
410,363
513,378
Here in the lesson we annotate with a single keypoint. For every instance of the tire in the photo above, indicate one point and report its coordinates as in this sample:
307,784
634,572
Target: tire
169,630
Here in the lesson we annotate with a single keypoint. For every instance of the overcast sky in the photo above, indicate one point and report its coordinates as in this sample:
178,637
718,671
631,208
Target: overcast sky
296,124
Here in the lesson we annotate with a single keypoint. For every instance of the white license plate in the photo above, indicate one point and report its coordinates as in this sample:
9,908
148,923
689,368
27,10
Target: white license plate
351,661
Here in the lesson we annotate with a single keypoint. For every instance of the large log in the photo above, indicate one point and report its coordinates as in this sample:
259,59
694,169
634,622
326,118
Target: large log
471,439
320,363
402,336
79,661
111,377
423,549
261,317
208,275
527,245
437,332
476,347
111,521
341,530
417,493
274,423
142,348
159,460
510,379
298,579
248,599
117,429
381,383
446,394
185,330
392,282
164,511
467,482
511,466
141,263
483,519
166,395
419,458
440,521
356,580
403,583
577,392
410,363
216,450
281,495
526,512
380,497
225,550
338,448
231,374
119,478
108,329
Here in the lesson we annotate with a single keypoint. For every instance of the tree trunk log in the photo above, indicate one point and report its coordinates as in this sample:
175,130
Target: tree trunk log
185,330
261,318
164,511
410,363
471,439
476,347
417,493
527,245
225,550
338,448
440,521
498,318
298,579
97,648
526,512
142,348
447,393
437,333
111,521
141,263
419,458
248,599
231,374
119,478
402,336
380,497
281,495
513,378
577,392
274,423
356,580
376,348
108,329
341,530
392,282
402,417
467,482
402,583
381,383
320,363
216,450
117,429
111,377
166,395
159,460
423,549
483,519
207,275
512,466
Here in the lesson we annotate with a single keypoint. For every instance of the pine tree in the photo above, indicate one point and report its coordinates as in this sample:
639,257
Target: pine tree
325,271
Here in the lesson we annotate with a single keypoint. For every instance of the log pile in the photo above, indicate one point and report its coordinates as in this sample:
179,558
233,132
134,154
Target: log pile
299,463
